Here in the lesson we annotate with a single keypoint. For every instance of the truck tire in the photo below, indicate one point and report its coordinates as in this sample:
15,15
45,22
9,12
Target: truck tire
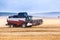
30,26
11,26
24,25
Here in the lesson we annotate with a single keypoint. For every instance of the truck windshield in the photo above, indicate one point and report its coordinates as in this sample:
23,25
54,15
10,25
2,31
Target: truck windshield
22,14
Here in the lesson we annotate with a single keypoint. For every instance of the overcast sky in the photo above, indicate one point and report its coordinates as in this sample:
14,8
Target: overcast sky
29,5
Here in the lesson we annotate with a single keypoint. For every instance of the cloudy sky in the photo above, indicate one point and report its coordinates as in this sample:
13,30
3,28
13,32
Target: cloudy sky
29,5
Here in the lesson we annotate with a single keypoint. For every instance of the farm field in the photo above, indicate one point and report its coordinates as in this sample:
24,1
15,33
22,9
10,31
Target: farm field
30,34
49,30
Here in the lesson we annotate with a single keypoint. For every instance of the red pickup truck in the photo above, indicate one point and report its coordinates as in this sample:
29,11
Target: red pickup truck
23,20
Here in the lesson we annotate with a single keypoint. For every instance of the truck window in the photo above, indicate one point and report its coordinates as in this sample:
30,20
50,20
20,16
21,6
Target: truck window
22,14
15,16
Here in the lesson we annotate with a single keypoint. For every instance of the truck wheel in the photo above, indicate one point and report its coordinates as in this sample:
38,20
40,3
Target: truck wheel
30,26
11,26
24,25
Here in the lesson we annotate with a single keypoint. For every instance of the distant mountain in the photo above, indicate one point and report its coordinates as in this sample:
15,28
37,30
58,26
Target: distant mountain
6,13
47,14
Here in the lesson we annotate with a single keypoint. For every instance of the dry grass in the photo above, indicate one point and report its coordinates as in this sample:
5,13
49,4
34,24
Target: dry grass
29,29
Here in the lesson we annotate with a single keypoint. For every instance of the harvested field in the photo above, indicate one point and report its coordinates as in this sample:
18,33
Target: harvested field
30,37
29,29
49,30
29,34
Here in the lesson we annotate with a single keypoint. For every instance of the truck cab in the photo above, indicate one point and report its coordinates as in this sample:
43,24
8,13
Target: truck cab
22,19
24,15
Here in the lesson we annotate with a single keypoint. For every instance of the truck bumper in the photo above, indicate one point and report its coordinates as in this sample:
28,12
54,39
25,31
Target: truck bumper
29,24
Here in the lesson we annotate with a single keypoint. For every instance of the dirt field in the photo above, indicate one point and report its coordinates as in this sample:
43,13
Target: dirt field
49,30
